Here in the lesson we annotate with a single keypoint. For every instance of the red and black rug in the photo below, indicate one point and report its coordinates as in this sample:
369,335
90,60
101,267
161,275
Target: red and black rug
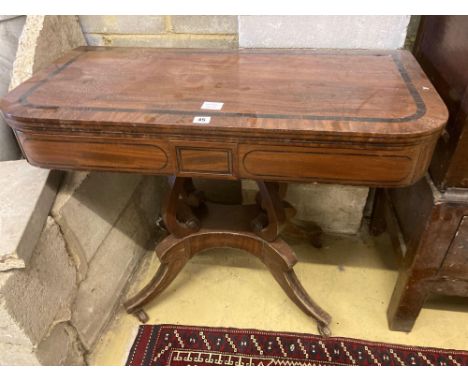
193,345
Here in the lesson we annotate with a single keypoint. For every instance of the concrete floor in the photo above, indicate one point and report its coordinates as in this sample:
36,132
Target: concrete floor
350,277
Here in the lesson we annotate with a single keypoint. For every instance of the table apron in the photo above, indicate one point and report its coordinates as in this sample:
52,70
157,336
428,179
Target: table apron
392,166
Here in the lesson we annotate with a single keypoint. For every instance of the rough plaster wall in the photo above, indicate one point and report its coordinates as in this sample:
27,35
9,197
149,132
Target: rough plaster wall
45,39
48,284
35,303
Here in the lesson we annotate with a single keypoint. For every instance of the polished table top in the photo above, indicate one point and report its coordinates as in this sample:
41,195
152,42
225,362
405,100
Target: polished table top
261,108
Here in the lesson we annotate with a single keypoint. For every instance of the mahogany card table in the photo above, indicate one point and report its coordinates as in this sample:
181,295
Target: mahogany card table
275,116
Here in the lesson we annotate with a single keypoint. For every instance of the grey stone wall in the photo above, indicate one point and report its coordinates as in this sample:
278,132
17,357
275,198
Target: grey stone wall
328,32
44,39
26,195
161,31
10,31
54,310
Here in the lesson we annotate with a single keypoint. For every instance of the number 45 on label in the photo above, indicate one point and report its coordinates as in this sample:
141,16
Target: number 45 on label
202,120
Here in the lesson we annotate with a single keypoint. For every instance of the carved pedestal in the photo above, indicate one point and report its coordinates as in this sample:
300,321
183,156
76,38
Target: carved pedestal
196,225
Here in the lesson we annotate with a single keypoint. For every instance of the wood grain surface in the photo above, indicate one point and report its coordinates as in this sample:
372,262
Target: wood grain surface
378,104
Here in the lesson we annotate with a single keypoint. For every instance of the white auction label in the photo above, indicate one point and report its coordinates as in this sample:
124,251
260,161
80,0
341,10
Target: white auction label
202,120
212,105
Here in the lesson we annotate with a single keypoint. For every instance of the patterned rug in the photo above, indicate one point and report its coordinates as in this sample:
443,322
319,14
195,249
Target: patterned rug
193,345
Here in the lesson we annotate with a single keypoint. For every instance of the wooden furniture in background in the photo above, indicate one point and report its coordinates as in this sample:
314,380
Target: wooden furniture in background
442,50
351,117
432,216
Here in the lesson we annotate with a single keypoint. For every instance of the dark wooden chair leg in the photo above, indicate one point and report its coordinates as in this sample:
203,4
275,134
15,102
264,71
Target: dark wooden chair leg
407,301
377,224
428,229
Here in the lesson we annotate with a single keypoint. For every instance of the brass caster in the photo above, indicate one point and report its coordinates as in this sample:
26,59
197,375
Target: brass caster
324,330
196,198
160,224
193,223
259,222
141,316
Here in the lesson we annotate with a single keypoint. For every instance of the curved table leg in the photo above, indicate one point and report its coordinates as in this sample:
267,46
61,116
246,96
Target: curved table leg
285,276
277,256
172,262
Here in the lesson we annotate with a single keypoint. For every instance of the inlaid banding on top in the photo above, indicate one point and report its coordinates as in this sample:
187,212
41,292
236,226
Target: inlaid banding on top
309,86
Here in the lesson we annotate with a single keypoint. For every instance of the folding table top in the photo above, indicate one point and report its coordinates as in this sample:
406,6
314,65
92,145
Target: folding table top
352,117
380,94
